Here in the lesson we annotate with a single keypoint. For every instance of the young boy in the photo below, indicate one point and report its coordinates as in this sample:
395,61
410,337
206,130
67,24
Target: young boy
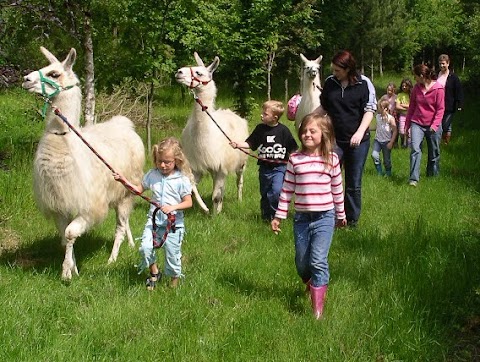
274,142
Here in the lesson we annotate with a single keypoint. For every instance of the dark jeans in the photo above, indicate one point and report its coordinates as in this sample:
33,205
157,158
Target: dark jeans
271,181
353,162
447,122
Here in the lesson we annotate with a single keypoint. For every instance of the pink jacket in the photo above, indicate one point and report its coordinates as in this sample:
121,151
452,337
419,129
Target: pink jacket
426,109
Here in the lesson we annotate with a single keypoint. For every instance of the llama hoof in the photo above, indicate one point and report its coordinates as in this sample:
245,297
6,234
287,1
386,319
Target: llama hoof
111,260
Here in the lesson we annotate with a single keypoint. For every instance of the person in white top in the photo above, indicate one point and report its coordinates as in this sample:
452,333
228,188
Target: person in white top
385,138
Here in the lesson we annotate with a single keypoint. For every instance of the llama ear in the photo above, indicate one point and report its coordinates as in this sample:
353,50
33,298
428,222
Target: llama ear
50,57
198,59
304,59
70,59
319,59
212,67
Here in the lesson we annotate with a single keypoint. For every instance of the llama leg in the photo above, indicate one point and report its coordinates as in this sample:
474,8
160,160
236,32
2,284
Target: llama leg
240,181
123,227
69,264
76,228
218,191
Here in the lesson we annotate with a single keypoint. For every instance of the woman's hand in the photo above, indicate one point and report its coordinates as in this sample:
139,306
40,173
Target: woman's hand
356,139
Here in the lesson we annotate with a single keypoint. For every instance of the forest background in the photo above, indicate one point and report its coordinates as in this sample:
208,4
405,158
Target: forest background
137,45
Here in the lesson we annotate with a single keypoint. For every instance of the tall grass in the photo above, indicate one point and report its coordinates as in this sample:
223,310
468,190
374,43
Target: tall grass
404,285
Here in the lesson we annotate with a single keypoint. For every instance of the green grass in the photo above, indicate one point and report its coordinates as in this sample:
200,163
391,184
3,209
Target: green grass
405,286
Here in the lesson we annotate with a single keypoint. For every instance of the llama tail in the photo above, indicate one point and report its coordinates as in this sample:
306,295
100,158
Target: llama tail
199,199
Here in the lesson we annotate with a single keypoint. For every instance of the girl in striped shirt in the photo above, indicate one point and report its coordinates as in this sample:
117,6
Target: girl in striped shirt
314,177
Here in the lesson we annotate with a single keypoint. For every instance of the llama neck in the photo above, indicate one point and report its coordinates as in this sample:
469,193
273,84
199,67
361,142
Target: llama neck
206,96
311,86
69,103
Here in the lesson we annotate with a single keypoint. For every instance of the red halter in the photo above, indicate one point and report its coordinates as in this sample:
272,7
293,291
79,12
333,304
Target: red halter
194,78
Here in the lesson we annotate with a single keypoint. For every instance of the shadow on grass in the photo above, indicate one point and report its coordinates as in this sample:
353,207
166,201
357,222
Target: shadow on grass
435,274
243,284
47,254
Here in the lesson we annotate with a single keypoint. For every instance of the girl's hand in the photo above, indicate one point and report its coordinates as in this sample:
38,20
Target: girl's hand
118,177
233,144
275,224
167,209
390,145
341,223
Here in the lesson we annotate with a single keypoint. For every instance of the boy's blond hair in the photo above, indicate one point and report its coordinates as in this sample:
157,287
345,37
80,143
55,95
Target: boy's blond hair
277,107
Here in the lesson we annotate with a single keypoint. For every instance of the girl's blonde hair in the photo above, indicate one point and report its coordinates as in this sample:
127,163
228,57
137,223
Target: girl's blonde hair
327,144
384,104
181,162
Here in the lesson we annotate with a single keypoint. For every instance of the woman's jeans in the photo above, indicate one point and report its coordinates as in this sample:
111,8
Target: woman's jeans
271,181
433,145
313,236
447,122
382,146
353,161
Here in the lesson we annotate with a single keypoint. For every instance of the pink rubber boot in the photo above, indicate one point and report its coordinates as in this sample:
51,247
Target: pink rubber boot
318,299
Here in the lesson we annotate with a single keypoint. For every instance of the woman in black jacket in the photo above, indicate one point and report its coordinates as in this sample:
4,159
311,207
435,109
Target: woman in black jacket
349,99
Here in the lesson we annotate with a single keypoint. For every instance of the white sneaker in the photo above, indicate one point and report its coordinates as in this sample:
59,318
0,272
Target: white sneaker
413,183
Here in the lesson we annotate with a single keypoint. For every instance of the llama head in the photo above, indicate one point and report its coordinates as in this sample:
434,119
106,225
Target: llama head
54,78
311,68
197,76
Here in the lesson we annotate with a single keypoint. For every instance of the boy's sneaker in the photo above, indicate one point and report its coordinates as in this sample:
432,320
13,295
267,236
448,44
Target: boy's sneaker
413,183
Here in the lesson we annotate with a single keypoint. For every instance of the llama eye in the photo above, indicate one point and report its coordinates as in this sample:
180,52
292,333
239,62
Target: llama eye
53,75
198,73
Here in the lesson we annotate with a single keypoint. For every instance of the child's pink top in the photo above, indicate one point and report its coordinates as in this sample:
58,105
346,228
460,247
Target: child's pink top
315,186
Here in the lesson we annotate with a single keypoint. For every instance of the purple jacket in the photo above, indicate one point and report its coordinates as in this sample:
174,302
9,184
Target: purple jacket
426,109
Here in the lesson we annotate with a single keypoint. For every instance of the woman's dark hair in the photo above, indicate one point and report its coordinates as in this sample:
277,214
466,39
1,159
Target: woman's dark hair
423,70
408,82
345,60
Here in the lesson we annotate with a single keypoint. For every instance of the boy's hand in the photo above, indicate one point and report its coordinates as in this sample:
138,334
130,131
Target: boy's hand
233,144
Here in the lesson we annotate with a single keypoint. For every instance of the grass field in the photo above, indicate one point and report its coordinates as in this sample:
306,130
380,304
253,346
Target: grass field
405,286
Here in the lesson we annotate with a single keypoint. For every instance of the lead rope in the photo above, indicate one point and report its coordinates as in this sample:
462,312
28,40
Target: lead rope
205,109
170,217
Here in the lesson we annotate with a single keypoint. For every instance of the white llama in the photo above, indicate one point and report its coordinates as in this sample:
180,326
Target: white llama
205,146
310,88
71,184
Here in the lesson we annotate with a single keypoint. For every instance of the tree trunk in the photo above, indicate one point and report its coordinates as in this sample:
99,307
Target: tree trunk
286,90
372,65
362,67
380,62
271,57
150,112
89,72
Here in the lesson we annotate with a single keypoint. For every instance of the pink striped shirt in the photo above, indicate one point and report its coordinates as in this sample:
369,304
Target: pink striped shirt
315,186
